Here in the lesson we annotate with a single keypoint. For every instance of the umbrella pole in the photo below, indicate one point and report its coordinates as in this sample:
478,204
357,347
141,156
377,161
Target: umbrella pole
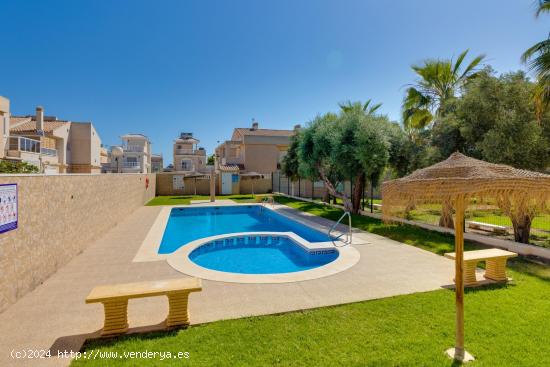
458,353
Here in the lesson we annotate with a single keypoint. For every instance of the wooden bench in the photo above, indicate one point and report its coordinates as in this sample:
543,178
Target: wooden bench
115,301
488,227
494,258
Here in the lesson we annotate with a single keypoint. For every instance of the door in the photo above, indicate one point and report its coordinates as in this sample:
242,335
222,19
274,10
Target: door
227,184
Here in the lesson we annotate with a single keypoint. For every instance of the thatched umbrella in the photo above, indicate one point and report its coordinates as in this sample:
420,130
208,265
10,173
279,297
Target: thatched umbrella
457,180
195,175
253,176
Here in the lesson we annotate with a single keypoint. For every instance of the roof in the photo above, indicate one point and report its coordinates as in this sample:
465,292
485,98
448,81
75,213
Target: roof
187,140
264,132
21,124
134,136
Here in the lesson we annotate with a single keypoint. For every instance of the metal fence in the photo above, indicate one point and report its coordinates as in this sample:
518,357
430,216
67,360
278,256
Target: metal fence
484,218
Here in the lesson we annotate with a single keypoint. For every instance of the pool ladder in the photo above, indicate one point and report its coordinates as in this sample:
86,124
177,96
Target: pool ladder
267,200
348,234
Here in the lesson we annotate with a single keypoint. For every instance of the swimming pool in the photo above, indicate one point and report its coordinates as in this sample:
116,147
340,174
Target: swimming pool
188,224
256,254
245,243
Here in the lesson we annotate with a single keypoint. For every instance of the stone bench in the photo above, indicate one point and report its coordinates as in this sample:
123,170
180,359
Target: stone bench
494,258
488,227
115,301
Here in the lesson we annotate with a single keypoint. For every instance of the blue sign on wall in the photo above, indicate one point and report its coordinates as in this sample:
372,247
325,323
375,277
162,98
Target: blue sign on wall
8,207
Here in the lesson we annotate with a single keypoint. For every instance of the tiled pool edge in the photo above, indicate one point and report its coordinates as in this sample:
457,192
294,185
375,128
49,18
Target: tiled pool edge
179,260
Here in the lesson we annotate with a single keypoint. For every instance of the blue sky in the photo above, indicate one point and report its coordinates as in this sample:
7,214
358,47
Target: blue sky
161,67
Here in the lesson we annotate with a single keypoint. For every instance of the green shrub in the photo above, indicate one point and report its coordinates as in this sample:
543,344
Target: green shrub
17,167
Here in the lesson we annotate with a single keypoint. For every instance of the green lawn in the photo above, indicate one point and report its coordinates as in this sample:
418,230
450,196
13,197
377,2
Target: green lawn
506,325
186,199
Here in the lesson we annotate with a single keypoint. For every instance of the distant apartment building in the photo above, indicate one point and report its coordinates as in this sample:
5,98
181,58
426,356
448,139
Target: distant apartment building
157,165
250,150
53,145
188,157
253,149
133,156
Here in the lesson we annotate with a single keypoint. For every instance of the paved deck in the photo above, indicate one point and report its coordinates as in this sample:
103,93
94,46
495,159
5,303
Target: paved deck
55,316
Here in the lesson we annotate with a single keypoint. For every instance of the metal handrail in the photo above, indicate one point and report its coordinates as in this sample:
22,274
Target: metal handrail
348,234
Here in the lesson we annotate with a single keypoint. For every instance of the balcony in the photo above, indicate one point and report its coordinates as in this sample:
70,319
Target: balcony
190,152
21,144
132,165
134,148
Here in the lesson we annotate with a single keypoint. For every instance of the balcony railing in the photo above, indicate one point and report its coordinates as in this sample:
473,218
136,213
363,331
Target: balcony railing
131,165
134,148
20,143
49,152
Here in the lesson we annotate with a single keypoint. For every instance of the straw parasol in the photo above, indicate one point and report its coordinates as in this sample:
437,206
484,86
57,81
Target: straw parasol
195,175
253,176
455,181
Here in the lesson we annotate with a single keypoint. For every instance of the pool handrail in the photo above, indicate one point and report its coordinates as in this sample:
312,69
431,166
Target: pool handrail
348,234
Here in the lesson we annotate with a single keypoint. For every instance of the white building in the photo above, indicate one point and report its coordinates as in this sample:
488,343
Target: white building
133,156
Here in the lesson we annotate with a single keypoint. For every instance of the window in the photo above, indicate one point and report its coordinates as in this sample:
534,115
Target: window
186,165
234,177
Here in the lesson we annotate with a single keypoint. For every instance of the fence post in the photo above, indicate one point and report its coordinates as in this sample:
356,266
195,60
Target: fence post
372,194
288,185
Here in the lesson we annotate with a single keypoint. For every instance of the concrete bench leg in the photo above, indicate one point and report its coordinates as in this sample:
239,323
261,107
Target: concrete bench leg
116,317
470,273
178,313
496,269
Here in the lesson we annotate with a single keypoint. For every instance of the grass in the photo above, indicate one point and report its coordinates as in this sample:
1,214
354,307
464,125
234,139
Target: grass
506,325
186,199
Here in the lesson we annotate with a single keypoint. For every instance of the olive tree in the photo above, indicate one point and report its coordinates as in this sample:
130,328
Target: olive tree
351,145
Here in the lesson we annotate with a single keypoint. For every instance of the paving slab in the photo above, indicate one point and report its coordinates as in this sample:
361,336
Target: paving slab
54,316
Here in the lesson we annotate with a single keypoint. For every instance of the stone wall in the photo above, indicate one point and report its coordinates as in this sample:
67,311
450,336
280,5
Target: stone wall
59,216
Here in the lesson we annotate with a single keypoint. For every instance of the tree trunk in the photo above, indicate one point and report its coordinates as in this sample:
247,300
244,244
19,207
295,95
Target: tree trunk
446,219
358,192
326,197
332,190
522,228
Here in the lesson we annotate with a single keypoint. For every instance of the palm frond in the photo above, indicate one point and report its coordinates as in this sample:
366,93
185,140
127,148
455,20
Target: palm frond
544,7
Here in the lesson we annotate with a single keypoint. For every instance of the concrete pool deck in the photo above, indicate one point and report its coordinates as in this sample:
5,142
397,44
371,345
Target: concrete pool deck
54,315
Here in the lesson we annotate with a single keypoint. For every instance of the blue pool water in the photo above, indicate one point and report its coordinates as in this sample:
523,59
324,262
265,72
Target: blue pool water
189,224
259,255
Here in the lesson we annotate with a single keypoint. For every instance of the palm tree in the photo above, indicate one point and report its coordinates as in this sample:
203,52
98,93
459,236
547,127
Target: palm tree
439,81
537,58
367,108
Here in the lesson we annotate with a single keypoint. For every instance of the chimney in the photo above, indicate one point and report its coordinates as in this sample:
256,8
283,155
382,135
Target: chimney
40,118
254,125
297,127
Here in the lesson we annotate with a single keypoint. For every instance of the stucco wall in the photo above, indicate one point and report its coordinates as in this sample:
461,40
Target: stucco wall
262,158
58,217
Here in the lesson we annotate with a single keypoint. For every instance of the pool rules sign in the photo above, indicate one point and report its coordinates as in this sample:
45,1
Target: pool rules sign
8,207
